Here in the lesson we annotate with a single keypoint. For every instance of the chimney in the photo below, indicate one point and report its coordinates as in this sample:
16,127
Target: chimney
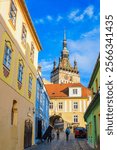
39,70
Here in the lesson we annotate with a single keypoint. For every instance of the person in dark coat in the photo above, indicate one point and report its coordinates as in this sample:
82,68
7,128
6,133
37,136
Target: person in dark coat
67,131
49,139
58,133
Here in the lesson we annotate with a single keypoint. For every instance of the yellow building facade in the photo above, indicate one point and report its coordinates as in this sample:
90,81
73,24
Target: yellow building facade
69,102
19,46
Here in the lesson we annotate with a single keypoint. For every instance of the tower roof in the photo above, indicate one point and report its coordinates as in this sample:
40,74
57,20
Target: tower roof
62,90
64,63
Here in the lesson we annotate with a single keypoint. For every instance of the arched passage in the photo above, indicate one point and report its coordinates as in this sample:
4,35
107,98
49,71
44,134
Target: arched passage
57,122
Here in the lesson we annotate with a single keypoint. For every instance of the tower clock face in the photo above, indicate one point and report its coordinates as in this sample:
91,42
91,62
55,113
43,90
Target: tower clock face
66,77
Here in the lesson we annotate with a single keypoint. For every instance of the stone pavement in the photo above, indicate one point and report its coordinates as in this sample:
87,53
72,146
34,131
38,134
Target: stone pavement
62,144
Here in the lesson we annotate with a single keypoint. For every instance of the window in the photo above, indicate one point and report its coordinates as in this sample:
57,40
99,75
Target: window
32,53
7,56
90,129
20,72
96,85
24,33
13,13
60,105
75,118
71,78
51,105
75,105
38,86
75,91
30,83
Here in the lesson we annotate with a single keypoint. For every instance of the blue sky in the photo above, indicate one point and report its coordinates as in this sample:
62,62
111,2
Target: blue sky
81,19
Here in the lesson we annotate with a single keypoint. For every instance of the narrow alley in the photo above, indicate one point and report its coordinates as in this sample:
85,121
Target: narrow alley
62,144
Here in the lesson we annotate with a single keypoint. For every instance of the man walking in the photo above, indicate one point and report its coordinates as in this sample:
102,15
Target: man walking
49,136
57,133
67,131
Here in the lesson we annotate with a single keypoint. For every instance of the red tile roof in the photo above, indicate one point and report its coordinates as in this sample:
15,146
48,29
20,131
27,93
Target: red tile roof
62,90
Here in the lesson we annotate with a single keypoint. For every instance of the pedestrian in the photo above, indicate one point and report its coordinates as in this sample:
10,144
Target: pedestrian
49,136
57,133
67,131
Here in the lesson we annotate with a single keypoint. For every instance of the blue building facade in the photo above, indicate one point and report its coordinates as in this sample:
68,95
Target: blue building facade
41,110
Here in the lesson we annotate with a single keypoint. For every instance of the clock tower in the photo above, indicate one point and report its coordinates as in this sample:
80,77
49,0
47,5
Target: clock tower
64,72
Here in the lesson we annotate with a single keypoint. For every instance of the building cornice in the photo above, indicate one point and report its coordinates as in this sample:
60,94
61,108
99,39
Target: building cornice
30,24
52,98
93,103
97,65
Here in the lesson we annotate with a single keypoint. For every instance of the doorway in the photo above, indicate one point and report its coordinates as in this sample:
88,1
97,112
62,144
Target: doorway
28,134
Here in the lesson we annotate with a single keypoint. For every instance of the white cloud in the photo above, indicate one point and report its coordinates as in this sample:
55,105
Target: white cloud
89,11
73,14
76,16
49,18
46,65
37,21
59,18
41,21
85,51
91,33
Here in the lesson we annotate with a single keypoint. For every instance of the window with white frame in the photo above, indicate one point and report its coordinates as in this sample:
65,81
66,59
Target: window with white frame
75,105
20,72
13,13
75,118
51,105
24,34
75,91
60,105
30,83
7,56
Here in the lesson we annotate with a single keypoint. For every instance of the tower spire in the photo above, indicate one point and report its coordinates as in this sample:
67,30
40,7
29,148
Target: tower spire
64,40
64,34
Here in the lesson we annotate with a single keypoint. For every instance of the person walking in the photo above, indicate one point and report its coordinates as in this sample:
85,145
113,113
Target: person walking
49,136
67,131
57,133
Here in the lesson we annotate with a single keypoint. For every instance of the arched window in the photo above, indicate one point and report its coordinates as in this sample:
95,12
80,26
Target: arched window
14,113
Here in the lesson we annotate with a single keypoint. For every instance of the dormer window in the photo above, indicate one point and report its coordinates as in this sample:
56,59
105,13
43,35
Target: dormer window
75,91
13,13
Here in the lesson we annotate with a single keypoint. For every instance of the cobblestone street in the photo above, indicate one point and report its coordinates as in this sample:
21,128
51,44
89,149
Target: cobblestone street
62,144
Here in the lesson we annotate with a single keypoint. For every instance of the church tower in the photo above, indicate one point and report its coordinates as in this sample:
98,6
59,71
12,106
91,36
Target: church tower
64,72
